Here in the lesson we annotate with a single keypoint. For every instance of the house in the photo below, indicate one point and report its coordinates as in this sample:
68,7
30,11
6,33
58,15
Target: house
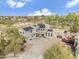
38,30
28,32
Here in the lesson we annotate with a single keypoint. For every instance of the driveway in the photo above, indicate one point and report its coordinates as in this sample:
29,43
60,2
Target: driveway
39,46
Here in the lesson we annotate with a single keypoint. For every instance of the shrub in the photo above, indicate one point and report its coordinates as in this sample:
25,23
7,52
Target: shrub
58,52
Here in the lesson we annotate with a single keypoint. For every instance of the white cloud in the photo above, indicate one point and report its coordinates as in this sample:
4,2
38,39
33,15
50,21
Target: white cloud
44,12
72,3
27,0
11,3
15,4
20,4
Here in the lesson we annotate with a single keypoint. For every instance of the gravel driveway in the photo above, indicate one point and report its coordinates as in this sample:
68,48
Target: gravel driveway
39,45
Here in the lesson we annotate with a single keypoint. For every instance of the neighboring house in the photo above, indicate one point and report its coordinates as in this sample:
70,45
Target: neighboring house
39,30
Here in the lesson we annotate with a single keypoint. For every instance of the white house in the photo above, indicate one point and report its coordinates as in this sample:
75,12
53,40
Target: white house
38,30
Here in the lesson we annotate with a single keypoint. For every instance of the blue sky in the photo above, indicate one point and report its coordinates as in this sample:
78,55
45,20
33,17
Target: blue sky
37,7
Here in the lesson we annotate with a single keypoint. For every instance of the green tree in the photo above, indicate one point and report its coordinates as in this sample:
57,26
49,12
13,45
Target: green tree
75,27
15,40
3,44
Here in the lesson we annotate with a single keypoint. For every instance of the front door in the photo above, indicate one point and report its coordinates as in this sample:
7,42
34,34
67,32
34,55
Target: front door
42,35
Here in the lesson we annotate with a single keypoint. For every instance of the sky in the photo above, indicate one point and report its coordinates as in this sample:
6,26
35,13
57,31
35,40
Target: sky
38,7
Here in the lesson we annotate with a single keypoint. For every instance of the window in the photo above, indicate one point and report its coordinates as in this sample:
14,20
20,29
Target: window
23,32
31,31
46,34
43,29
51,34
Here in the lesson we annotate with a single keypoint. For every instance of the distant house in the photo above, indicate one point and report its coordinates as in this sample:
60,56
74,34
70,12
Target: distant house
39,30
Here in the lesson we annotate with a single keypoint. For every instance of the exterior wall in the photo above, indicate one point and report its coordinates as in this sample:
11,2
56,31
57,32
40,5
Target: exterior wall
48,34
32,34
28,34
47,26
